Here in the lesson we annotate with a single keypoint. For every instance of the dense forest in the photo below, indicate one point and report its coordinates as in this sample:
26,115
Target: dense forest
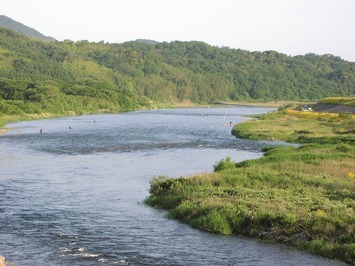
81,77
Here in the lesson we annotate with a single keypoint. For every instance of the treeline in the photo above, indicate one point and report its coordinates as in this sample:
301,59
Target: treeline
82,76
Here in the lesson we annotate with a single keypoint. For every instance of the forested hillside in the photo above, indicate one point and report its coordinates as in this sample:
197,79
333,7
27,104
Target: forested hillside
11,24
58,77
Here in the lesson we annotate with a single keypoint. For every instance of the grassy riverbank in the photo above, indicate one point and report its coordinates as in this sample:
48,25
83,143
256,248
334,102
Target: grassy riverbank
299,196
22,116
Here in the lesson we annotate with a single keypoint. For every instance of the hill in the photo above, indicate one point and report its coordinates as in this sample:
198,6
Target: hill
80,77
147,41
9,23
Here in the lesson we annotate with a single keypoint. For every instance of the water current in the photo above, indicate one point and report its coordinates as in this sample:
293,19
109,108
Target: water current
73,194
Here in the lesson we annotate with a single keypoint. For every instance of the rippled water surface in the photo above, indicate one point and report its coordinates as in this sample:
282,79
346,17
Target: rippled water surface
74,194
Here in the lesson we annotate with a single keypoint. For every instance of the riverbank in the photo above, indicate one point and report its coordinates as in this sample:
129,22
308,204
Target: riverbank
298,196
271,104
7,118
2,130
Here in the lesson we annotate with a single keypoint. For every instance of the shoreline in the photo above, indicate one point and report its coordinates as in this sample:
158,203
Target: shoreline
271,104
6,119
287,196
4,130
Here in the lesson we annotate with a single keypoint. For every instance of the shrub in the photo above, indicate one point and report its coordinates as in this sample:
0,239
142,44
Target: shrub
224,165
162,188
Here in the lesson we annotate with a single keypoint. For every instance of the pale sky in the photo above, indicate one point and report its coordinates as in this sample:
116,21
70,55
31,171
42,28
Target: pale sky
292,27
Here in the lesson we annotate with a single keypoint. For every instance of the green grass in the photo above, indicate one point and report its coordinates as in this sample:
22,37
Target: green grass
339,100
299,196
300,127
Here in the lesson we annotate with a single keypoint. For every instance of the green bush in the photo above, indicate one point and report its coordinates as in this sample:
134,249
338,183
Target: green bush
224,165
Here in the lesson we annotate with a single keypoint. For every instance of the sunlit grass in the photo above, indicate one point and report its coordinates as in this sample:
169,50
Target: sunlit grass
300,196
298,126
339,100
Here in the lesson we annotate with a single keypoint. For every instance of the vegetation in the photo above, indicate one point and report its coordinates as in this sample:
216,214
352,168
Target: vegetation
299,196
300,126
339,100
68,77
7,22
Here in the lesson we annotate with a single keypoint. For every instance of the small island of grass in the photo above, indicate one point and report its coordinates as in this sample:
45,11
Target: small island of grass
299,196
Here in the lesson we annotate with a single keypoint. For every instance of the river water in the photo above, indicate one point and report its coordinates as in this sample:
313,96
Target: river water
74,194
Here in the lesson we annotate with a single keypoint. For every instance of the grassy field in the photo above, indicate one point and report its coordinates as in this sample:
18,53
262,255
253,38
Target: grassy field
299,196
339,100
299,126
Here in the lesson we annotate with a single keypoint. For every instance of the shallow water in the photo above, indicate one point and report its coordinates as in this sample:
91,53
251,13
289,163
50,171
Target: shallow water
75,196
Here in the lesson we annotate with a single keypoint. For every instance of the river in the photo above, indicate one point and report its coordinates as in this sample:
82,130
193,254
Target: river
73,194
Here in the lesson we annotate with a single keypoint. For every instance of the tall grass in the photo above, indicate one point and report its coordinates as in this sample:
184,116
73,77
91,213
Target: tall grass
339,100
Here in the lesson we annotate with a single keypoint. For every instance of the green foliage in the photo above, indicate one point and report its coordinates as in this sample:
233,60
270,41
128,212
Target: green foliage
213,222
339,100
224,165
300,196
160,186
131,75
345,115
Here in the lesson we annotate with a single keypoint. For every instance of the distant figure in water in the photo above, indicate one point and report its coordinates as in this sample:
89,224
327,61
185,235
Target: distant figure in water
230,123
94,121
69,127
41,131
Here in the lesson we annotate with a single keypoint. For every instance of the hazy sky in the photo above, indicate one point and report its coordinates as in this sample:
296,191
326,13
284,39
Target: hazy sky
289,26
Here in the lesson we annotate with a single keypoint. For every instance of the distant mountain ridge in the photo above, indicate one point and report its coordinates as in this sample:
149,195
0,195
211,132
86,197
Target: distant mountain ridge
80,77
9,23
147,41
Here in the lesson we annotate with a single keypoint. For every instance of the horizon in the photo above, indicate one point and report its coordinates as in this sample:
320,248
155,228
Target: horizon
285,26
